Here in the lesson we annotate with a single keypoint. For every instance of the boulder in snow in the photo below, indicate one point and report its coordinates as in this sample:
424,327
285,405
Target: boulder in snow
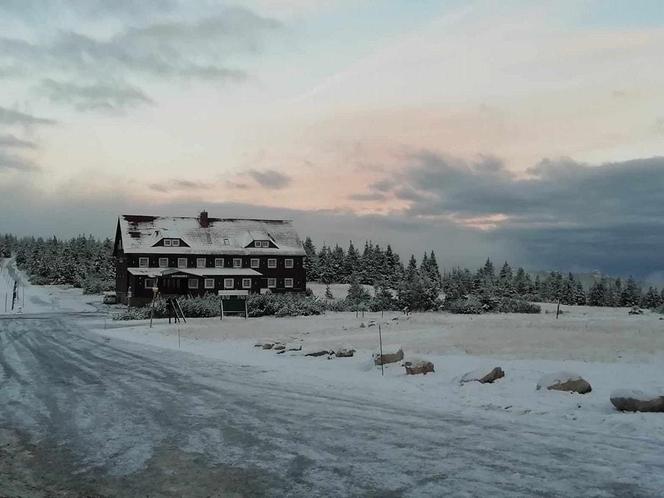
279,347
268,345
483,377
318,352
637,401
344,352
293,347
418,367
391,354
565,381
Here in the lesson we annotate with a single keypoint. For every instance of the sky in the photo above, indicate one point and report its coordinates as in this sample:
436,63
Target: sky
531,131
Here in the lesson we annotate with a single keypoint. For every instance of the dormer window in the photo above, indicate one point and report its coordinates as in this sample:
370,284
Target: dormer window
171,242
258,243
167,242
262,243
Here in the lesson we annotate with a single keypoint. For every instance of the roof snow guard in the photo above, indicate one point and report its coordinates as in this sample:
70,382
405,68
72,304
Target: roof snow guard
230,236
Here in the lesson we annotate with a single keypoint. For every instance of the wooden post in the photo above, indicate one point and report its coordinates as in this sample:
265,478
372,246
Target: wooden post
154,294
222,307
380,342
246,307
558,309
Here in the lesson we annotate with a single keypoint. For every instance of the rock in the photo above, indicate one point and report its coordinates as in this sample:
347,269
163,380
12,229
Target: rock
362,325
372,324
482,376
322,352
294,347
344,352
281,352
565,381
268,345
636,311
396,319
391,354
279,347
637,401
418,367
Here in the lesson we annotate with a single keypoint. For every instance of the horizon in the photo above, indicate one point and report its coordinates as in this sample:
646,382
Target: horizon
529,132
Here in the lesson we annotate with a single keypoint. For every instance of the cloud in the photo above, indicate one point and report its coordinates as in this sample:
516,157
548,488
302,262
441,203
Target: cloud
179,184
11,162
8,140
110,96
270,178
367,196
12,117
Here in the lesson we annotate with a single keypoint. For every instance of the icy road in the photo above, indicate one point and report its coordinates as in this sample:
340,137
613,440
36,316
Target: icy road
81,414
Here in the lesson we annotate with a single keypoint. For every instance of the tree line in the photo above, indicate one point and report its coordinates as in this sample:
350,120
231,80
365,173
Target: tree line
88,263
81,261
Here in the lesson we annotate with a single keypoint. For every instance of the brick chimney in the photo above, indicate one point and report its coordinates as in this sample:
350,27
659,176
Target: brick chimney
203,219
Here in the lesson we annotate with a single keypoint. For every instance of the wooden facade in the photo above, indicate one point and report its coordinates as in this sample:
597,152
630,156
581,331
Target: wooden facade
198,256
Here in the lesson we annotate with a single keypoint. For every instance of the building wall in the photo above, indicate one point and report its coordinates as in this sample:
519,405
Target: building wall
280,273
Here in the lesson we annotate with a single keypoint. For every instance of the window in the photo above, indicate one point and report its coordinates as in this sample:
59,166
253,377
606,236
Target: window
193,283
257,243
175,242
209,283
246,283
150,283
271,263
271,283
288,282
143,262
167,242
163,262
266,243
182,262
200,263
288,262
229,283
226,242
237,262
255,262
218,262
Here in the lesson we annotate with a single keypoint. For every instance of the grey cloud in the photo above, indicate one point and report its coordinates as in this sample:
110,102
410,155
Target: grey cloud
11,162
241,186
111,95
270,178
367,196
8,140
39,10
384,185
178,184
563,214
12,117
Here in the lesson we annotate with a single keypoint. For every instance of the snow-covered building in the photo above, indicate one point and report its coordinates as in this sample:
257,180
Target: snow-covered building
200,255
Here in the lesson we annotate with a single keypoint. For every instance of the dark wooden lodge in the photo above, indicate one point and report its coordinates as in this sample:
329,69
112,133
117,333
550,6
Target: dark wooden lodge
182,256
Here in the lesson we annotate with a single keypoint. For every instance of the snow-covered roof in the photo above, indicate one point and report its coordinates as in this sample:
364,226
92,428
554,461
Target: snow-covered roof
139,234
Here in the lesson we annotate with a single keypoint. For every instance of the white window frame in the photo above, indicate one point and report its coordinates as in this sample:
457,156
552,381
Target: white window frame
175,242
209,283
272,262
186,262
218,262
201,262
192,283
258,243
246,283
229,283
289,263
227,242
144,262
237,262
271,283
163,262
288,283
266,244
255,263
168,242
150,283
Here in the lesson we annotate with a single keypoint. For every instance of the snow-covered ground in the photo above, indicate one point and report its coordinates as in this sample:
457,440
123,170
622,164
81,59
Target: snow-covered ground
609,348
40,298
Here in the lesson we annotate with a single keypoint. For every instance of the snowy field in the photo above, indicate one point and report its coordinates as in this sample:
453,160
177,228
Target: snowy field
609,348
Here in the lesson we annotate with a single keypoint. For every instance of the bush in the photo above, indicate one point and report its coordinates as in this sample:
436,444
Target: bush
284,305
474,305
469,305
96,285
